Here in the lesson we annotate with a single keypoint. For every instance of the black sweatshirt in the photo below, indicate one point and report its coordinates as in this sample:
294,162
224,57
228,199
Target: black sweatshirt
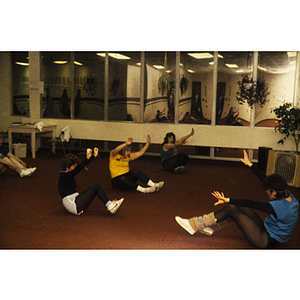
66,182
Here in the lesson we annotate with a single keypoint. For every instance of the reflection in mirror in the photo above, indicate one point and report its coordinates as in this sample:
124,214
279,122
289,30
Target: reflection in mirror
232,66
160,87
20,83
196,77
124,86
56,74
88,86
276,74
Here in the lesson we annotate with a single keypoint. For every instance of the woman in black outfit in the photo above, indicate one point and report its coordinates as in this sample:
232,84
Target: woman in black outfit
73,201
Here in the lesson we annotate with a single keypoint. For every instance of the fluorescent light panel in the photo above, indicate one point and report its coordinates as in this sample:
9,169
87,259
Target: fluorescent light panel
114,55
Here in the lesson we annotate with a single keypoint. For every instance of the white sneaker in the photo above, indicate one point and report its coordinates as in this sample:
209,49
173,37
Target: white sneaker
26,172
159,185
114,206
150,189
179,169
184,223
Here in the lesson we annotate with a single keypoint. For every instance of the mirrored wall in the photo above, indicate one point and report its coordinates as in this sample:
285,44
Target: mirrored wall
161,86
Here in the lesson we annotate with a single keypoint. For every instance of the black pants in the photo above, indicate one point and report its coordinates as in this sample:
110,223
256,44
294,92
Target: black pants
250,224
84,199
175,161
129,180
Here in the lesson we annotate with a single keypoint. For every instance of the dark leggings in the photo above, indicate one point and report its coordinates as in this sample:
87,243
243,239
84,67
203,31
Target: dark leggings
173,162
250,224
84,199
129,179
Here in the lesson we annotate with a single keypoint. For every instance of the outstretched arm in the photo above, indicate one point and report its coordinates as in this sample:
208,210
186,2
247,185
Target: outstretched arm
120,147
183,140
255,170
143,150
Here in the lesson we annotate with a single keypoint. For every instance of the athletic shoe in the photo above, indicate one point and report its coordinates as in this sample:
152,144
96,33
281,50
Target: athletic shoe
114,206
150,189
179,169
185,224
159,185
32,170
27,172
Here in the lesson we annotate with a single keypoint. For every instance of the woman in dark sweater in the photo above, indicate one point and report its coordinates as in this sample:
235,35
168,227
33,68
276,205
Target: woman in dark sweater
74,202
278,226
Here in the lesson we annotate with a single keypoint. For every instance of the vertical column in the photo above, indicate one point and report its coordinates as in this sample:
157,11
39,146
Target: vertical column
214,92
296,82
177,87
72,105
106,69
34,76
255,64
142,87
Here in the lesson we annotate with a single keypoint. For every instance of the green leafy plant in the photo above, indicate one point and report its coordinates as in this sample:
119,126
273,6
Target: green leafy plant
251,91
289,123
164,83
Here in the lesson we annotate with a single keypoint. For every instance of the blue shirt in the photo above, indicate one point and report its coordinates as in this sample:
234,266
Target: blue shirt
3,151
165,154
281,228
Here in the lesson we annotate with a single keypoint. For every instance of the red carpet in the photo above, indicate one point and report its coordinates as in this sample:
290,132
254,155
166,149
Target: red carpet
32,215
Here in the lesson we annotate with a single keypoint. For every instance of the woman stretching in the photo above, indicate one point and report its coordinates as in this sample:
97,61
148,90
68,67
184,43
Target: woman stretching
74,202
169,161
122,177
278,226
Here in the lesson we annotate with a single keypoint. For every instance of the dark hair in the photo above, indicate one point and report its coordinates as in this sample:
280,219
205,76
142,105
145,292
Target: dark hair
127,147
69,160
169,134
277,183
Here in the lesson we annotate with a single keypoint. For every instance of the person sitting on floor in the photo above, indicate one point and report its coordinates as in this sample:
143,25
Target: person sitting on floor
278,226
73,201
124,178
169,161
8,160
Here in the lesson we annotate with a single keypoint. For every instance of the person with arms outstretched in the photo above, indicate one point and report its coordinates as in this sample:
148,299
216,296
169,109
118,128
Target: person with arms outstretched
73,201
121,175
278,226
169,160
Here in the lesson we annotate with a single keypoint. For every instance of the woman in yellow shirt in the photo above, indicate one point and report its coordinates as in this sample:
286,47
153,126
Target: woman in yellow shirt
124,178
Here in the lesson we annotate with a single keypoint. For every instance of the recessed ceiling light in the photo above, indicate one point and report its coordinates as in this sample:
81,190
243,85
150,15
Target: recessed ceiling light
22,63
77,63
60,62
191,71
201,55
114,55
159,67
232,65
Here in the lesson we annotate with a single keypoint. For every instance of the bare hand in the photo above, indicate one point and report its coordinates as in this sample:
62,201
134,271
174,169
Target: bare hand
95,152
88,153
129,141
220,197
192,133
246,160
148,139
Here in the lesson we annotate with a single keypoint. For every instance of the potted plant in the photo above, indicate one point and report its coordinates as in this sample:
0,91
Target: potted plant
251,91
289,123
